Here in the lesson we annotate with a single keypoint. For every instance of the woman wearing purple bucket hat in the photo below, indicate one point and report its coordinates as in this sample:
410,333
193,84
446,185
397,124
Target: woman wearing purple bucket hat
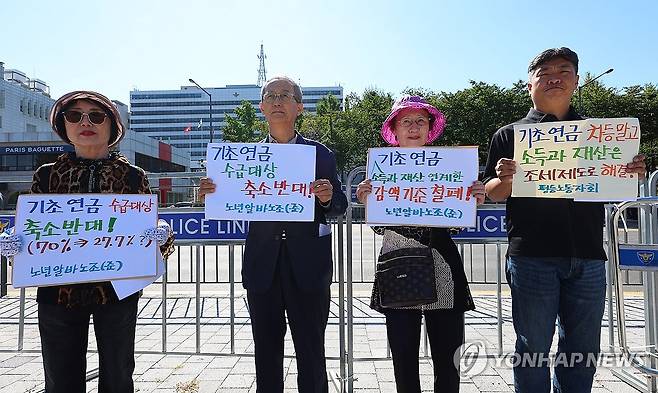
415,123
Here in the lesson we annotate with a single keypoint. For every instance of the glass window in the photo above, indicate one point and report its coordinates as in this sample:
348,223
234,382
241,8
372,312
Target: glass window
8,162
24,162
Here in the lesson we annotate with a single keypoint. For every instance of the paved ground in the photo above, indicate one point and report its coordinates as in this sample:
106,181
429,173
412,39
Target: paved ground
216,370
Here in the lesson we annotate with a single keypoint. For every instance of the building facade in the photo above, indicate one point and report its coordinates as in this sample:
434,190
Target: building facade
182,117
27,141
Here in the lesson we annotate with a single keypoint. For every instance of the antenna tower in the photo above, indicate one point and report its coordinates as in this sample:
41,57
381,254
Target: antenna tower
262,78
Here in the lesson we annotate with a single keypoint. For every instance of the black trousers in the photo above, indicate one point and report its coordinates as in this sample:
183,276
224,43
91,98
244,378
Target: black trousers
445,330
64,338
307,316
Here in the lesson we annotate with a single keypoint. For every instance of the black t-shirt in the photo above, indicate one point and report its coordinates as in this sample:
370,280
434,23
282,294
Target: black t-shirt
546,227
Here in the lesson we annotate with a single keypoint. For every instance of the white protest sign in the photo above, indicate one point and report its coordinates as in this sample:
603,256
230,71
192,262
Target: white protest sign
74,238
583,160
427,186
261,181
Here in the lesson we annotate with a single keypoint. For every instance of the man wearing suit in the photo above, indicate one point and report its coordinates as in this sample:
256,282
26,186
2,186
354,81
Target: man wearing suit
287,266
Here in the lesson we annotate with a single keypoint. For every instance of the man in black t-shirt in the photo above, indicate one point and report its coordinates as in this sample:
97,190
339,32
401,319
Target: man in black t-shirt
555,261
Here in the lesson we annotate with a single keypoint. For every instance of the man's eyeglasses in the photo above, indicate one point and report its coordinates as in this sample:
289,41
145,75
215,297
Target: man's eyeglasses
285,96
95,117
420,122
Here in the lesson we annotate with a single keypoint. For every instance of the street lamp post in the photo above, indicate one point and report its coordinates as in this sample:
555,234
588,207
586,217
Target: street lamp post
580,88
209,103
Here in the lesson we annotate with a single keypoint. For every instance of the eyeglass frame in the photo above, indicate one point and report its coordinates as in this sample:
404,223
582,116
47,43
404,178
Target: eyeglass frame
270,97
429,120
82,116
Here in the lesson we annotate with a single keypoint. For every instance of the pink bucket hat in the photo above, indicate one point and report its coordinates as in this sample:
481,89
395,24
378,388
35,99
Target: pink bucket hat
438,121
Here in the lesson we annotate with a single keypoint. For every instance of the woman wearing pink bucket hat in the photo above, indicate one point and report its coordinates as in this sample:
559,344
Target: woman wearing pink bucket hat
401,110
415,123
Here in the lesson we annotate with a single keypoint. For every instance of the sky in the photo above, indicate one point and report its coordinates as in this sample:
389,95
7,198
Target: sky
114,47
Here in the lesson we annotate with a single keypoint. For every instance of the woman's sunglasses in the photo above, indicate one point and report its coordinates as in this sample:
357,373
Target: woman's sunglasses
95,117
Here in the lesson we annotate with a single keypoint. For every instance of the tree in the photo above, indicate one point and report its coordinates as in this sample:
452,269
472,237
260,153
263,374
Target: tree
632,101
327,105
358,127
245,126
349,133
473,114
365,117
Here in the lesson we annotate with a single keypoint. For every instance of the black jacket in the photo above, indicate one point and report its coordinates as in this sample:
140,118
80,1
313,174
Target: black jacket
309,253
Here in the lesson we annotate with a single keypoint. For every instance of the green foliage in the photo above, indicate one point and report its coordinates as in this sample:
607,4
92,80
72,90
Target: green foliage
632,101
328,105
349,133
473,115
245,126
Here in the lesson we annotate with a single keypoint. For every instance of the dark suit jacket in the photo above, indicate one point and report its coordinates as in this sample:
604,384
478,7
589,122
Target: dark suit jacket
308,253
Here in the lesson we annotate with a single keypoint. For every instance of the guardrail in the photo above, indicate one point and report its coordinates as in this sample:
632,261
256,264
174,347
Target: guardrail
647,239
200,239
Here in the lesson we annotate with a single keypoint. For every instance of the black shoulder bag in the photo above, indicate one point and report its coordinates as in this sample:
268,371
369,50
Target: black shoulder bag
406,277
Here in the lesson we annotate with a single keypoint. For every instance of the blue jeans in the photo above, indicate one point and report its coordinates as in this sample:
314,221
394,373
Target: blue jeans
571,290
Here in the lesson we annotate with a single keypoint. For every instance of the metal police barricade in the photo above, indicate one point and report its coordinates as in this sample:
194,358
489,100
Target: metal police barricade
643,257
193,230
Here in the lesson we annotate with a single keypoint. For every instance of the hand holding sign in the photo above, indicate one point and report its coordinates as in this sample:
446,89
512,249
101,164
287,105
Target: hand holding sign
206,186
505,170
638,166
363,190
323,190
477,191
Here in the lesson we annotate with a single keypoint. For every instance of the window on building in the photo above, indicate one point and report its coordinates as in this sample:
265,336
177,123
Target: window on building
25,162
2,99
162,96
8,162
156,165
30,128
